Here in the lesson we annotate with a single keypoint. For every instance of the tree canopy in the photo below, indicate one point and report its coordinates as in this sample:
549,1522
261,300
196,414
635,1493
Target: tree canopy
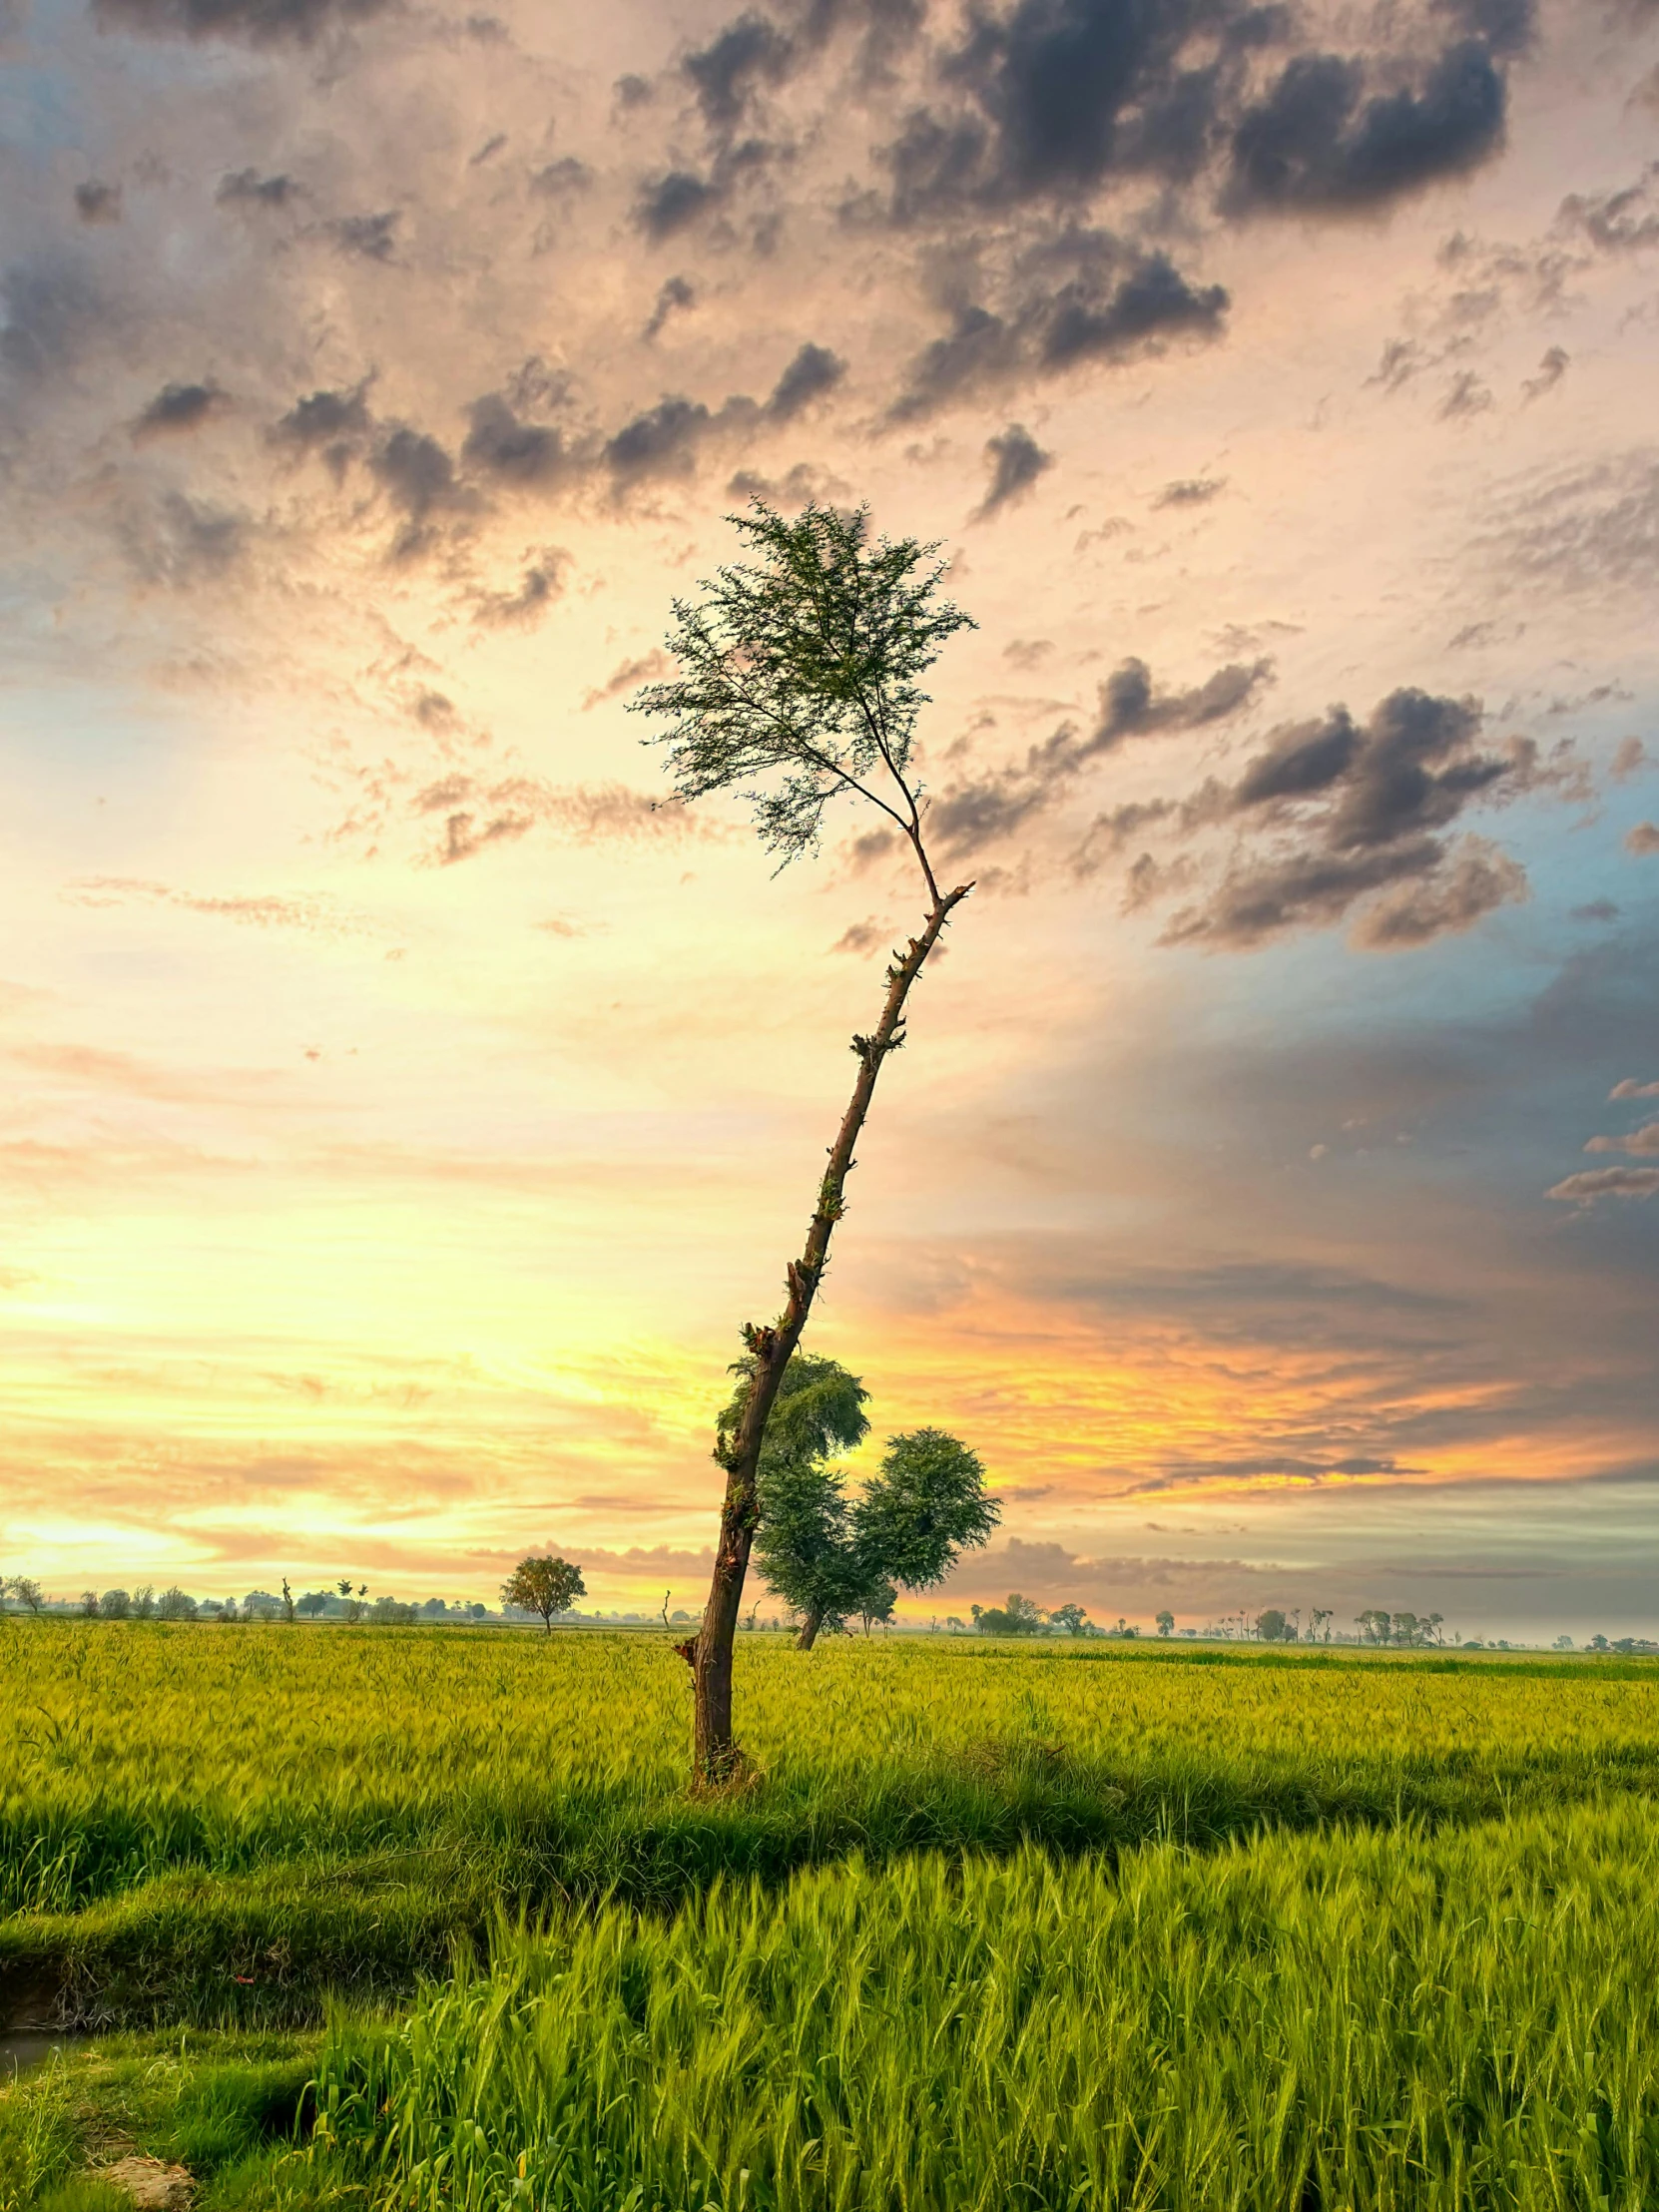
545,1586
799,674
831,1558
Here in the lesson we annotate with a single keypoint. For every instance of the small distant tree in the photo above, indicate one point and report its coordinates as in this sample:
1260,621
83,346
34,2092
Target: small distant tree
289,1605
89,1605
228,1611
799,682
953,1624
174,1605
1165,1623
875,1603
144,1602
115,1605
311,1605
353,1602
545,1586
1271,1626
1070,1618
1318,1620
27,1592
1375,1626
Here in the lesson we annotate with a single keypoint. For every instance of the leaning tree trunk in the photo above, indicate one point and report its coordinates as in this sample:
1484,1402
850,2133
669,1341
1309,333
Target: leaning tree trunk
770,1346
809,1628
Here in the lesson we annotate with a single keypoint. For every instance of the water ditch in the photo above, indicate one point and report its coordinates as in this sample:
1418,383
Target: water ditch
31,2026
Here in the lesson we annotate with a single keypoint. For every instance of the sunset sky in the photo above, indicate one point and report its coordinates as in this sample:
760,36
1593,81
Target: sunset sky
400,1111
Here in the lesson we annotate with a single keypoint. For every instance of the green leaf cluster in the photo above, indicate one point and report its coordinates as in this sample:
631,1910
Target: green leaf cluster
798,671
830,1556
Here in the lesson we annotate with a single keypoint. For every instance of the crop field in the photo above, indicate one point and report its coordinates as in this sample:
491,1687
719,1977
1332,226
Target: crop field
431,1919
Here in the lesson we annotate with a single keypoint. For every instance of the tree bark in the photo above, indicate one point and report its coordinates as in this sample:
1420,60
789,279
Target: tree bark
809,1628
771,1346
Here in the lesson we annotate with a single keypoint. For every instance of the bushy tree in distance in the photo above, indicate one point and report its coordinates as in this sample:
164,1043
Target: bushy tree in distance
545,1586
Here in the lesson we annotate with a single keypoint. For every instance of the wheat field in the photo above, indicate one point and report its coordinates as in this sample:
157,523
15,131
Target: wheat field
430,1918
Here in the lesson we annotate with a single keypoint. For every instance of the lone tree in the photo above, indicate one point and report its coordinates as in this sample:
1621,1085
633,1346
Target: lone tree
831,1558
799,682
544,1586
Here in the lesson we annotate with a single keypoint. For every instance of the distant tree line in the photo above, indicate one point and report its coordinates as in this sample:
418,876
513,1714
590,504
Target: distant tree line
830,1559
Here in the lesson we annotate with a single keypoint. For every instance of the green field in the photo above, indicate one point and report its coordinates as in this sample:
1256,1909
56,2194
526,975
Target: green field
430,1918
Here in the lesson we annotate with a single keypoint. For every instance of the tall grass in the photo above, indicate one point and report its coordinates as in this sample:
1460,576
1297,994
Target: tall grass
1378,2021
216,1823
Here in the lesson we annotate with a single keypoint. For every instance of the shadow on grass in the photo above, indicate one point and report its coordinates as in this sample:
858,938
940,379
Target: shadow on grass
271,1944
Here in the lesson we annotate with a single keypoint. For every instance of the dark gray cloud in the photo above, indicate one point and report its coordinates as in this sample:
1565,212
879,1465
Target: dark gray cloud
662,441
178,407
672,202
1143,310
1620,222
1473,881
726,73
1320,140
1015,461
372,237
978,812
247,188
419,477
1064,93
677,294
814,371
1056,100
1333,813
1412,769
556,180
1465,395
502,444
1107,310
326,418
1552,369
1191,491
97,202
258,22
